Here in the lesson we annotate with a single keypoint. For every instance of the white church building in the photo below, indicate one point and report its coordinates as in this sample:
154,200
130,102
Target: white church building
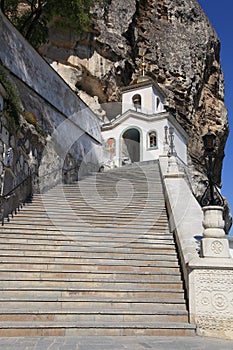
144,130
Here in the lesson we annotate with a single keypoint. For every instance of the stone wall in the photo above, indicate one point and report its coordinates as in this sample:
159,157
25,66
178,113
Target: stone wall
20,149
57,137
36,74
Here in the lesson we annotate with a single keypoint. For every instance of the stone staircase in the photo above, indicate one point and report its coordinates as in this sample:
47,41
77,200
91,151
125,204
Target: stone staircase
93,258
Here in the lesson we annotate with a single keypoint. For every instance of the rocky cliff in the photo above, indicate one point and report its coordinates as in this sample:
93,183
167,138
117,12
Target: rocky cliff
181,51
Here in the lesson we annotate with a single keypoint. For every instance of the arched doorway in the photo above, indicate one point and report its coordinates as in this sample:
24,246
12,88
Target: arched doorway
130,151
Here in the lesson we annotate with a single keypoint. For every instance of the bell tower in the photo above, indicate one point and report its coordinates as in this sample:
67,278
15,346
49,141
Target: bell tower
143,95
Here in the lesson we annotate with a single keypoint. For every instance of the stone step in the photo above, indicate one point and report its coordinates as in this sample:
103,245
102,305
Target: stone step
76,226
71,315
91,207
87,205
110,267
158,237
121,231
88,201
90,261
154,223
102,211
67,237
86,197
90,246
113,189
89,256
115,294
92,239
80,225
82,252
113,178
38,205
153,226
77,246
8,329
154,199
68,284
96,275
92,302
112,216
124,204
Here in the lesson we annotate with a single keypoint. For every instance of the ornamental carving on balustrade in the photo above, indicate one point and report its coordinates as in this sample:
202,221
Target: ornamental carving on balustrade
214,299
216,325
217,247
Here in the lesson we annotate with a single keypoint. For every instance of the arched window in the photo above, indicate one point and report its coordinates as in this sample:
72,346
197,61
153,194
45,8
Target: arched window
137,102
152,139
157,103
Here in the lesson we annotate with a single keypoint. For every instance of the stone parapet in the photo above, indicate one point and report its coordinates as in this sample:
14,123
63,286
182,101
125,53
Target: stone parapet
209,278
185,214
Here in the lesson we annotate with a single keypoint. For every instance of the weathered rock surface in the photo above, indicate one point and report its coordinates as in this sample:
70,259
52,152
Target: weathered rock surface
182,54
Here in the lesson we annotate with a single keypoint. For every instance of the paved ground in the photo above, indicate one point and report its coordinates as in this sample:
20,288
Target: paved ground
115,343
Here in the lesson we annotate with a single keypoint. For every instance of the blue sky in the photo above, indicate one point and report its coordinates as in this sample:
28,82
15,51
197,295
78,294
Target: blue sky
220,15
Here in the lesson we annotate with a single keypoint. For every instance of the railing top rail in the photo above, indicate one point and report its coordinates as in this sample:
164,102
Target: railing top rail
15,187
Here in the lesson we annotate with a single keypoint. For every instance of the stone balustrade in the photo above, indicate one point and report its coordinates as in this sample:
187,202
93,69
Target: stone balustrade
208,271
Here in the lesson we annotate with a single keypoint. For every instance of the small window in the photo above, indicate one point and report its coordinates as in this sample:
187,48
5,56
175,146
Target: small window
157,103
137,102
152,139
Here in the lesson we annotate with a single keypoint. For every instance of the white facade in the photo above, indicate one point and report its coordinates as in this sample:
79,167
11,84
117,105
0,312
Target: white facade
141,132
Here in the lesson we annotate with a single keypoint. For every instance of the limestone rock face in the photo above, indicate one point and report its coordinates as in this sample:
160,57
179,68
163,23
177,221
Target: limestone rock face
181,51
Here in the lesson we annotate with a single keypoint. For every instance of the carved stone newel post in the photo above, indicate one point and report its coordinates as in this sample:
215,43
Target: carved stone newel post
214,244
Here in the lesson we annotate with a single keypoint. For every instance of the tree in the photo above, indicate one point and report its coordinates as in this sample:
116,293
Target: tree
32,17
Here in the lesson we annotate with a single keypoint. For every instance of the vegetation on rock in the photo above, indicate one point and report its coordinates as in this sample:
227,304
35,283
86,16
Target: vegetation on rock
13,102
30,118
32,17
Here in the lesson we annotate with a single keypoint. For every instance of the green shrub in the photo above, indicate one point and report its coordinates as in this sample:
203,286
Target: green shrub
13,102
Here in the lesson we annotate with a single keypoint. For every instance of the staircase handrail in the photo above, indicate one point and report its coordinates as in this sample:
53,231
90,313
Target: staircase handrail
11,192
17,203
